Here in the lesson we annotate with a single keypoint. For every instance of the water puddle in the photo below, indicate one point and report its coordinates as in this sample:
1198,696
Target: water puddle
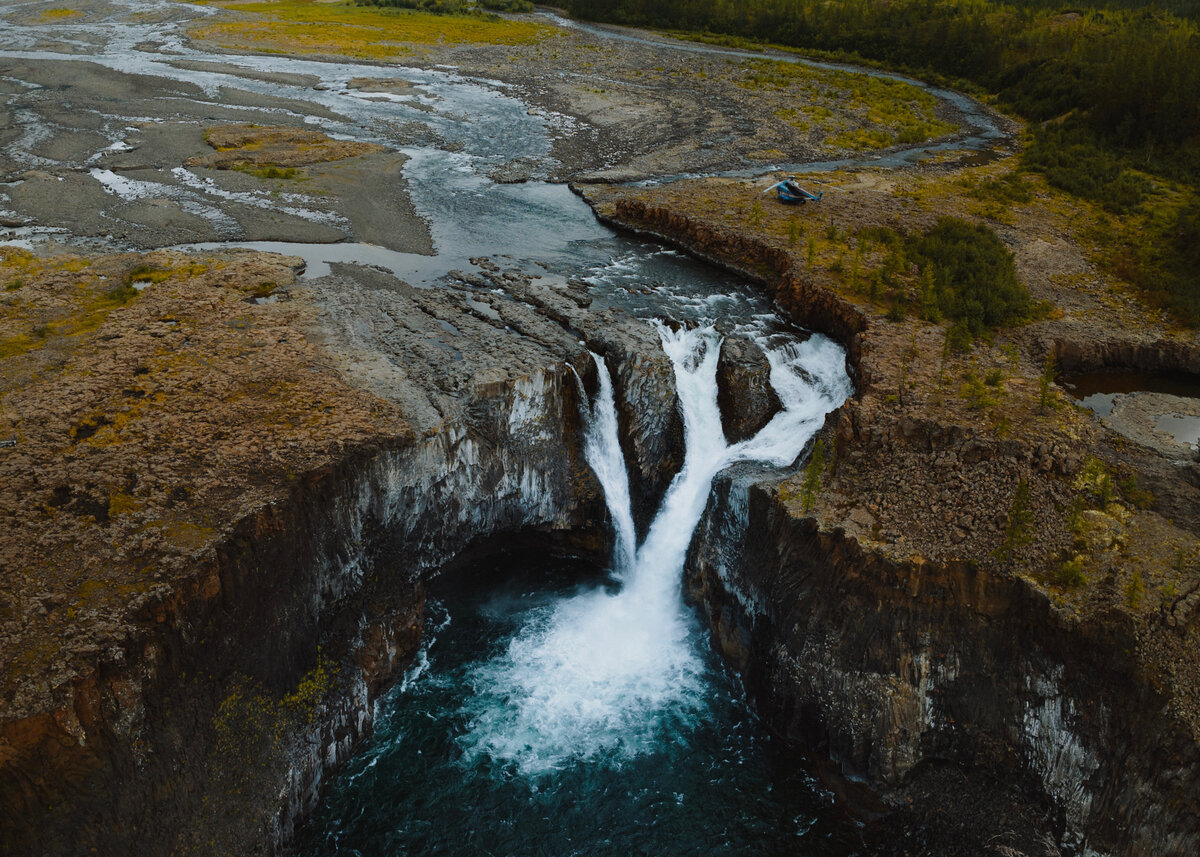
1158,410
1185,429
1098,391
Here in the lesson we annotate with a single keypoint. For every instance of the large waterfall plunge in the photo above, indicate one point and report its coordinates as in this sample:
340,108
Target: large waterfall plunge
597,718
604,674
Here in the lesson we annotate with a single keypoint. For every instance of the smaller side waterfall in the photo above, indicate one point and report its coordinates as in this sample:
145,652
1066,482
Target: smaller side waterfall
604,676
602,449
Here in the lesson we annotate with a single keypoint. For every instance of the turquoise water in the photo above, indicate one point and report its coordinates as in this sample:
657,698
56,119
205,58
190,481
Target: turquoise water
711,782
553,716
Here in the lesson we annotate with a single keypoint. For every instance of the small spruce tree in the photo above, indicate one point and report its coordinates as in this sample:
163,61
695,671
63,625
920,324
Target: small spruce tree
1019,530
1045,397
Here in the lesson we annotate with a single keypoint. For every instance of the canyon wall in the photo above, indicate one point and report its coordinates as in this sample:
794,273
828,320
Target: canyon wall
891,665
211,728
881,627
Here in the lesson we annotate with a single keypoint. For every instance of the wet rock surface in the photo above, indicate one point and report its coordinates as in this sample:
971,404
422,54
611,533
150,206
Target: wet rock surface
744,392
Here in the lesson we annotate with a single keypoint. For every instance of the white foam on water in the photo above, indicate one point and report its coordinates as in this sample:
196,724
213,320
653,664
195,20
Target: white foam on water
605,677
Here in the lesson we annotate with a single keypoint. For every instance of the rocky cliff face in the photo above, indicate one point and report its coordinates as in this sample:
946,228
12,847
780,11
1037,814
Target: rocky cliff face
200,715
220,692
875,619
1145,353
893,665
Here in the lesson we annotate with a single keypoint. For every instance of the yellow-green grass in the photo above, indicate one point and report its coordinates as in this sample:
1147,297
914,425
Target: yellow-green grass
343,29
82,309
891,111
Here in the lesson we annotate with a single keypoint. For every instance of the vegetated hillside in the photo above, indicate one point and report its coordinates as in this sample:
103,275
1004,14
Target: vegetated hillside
1111,86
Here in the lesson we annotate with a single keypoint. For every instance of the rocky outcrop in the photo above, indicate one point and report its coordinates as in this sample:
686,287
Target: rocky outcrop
893,665
1081,353
744,392
651,425
222,691
199,713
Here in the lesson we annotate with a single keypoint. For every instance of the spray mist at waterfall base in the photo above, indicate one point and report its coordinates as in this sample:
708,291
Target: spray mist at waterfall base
554,717
699,777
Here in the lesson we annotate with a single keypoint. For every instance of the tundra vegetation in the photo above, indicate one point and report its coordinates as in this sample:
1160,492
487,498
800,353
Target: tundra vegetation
372,32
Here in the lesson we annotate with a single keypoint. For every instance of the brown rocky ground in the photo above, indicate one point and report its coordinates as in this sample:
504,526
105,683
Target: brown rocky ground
141,422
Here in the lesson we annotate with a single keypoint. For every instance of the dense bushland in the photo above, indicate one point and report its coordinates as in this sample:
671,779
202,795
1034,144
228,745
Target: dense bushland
973,277
957,272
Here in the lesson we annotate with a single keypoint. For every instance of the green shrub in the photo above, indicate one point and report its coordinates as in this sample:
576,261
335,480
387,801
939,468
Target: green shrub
1134,494
1049,373
1009,188
1135,590
1167,265
974,279
813,471
121,294
1072,159
507,5
976,393
1019,530
1095,484
267,172
1070,574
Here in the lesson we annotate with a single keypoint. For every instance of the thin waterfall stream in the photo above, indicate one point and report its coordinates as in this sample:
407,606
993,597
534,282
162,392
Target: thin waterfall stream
553,717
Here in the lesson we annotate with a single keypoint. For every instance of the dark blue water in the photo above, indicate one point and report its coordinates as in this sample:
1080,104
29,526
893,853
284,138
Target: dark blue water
713,783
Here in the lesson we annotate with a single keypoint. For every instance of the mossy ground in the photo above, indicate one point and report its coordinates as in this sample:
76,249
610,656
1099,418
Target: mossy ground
857,111
361,32
274,152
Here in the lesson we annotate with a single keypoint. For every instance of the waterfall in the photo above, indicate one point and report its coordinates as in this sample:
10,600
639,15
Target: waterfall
602,449
603,675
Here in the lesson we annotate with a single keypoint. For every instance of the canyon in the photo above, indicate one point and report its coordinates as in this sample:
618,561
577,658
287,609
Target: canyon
246,425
